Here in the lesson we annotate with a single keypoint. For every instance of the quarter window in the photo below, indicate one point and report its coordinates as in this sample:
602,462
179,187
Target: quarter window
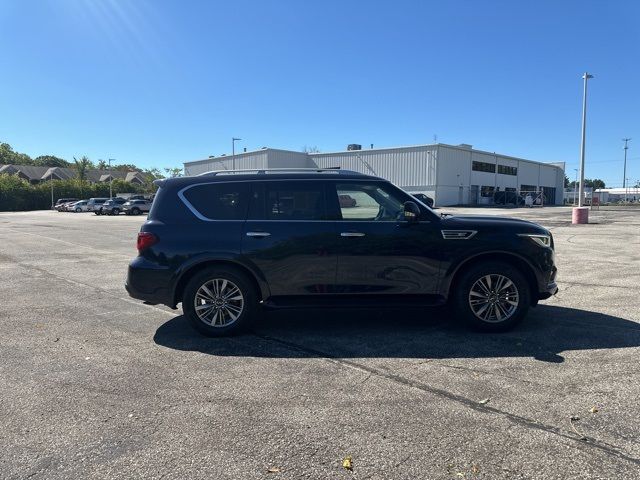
220,201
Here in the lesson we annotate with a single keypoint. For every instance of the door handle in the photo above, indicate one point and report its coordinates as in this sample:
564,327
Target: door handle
258,234
352,234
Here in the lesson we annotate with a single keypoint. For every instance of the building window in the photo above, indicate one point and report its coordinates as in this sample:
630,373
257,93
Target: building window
486,191
528,189
483,167
507,170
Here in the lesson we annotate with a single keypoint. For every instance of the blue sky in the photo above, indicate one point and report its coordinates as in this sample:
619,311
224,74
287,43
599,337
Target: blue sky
158,82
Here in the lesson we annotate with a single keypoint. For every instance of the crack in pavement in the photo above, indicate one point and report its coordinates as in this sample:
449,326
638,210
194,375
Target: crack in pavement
525,422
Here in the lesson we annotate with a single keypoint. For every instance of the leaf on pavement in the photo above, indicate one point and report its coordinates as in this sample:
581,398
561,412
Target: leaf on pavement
484,401
346,463
274,470
593,409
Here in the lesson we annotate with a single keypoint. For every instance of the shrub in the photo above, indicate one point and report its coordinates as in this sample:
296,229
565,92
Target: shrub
17,194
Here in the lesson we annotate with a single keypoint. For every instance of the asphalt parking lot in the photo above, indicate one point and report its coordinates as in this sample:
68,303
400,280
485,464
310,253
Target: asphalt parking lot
94,384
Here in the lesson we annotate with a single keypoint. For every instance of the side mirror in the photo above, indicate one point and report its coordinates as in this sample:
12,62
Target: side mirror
411,212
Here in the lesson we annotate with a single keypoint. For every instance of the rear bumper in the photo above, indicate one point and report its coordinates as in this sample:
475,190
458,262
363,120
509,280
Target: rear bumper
149,282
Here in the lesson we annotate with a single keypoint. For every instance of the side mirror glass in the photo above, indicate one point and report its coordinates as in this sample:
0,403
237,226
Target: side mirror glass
411,212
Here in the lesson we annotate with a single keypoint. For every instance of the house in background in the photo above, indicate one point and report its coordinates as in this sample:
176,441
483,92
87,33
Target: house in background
35,174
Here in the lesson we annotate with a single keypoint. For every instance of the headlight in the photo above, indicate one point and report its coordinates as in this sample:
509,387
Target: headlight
542,240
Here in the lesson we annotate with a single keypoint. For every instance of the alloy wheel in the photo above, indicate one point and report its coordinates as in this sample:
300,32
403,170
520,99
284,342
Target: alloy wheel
494,298
219,302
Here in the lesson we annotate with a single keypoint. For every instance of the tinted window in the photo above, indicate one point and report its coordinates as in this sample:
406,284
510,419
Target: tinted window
220,201
368,202
507,170
483,167
288,201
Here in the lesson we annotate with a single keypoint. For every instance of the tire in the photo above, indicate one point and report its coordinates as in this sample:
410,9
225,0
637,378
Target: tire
135,211
500,313
115,211
78,210
226,325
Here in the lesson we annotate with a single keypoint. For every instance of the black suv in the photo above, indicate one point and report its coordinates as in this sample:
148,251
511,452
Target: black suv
224,243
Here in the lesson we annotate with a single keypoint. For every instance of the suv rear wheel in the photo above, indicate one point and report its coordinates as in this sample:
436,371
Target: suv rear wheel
135,211
220,301
491,296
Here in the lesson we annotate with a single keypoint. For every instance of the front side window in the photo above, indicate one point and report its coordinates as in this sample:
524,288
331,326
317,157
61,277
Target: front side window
219,201
368,202
288,200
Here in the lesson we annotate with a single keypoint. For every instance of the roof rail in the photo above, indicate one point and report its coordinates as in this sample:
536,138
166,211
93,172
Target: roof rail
262,171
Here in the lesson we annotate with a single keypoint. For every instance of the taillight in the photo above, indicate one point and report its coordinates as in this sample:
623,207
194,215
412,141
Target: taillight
145,240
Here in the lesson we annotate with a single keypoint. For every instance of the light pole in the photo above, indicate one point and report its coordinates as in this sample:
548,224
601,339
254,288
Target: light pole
624,171
626,191
586,77
51,182
575,187
233,151
111,179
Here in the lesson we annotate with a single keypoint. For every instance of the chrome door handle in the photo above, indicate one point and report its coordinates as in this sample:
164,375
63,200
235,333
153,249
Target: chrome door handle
352,234
258,234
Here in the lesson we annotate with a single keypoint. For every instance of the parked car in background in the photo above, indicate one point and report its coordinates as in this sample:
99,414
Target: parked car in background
94,203
428,201
66,206
78,207
225,245
136,207
62,201
347,201
111,207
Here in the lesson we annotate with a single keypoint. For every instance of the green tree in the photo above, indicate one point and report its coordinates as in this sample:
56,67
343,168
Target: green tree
81,167
125,167
566,181
50,161
174,172
102,165
9,156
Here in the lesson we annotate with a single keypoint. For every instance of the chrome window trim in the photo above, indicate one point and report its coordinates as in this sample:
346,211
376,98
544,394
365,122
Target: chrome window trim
193,209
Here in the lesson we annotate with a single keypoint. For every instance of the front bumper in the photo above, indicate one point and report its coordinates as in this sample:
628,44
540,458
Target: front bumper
550,291
549,287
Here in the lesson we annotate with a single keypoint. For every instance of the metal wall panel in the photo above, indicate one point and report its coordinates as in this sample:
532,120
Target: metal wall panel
242,161
406,167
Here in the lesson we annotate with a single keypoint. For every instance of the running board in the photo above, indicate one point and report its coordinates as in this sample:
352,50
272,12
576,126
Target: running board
354,301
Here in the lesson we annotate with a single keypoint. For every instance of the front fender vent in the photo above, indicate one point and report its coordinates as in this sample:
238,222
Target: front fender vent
458,234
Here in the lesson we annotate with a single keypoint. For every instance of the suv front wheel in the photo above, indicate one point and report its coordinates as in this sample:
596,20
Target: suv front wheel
220,301
491,296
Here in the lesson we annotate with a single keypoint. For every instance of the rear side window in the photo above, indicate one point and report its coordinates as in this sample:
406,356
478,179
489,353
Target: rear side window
219,201
296,200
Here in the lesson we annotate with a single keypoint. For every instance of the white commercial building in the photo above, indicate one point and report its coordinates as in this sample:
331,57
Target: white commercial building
451,175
